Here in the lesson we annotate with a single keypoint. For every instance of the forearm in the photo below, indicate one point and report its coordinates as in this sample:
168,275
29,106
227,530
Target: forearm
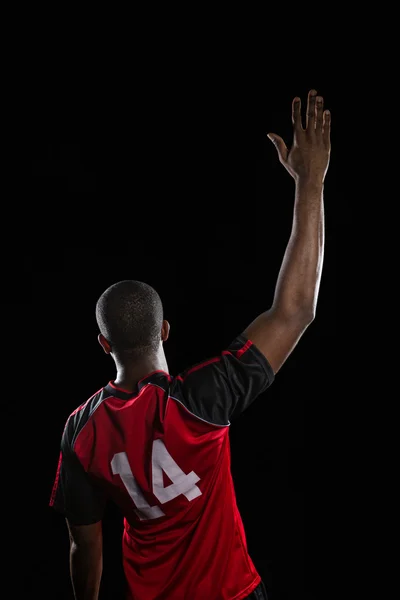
300,274
86,566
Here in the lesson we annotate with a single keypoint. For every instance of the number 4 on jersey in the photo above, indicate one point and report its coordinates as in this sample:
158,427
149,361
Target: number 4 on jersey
161,460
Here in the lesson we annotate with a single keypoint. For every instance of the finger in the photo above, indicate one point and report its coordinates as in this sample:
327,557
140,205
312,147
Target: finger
319,114
296,115
279,145
327,128
310,120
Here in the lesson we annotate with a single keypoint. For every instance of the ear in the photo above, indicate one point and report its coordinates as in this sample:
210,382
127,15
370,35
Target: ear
104,344
165,331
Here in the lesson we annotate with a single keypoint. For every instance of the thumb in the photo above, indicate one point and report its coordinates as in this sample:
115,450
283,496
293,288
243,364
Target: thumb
279,145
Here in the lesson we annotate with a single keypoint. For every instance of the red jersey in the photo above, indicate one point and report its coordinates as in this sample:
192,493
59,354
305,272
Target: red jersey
162,454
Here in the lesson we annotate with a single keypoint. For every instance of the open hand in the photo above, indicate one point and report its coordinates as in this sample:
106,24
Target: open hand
308,158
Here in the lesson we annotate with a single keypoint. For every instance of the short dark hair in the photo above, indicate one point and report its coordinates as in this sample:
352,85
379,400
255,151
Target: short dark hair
130,315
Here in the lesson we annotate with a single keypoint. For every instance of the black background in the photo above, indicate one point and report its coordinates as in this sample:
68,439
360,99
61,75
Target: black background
177,185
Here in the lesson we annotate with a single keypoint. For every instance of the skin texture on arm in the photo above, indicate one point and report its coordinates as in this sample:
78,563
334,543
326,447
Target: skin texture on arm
86,559
277,331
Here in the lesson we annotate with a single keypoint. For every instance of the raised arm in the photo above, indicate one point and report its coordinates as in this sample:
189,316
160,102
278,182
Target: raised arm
277,331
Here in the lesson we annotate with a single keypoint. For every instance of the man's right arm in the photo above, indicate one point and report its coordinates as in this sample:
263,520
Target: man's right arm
276,332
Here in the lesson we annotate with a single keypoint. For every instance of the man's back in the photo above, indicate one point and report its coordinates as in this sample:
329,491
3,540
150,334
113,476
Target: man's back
162,455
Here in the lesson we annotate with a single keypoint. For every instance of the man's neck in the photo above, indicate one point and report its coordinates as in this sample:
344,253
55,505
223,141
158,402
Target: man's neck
128,375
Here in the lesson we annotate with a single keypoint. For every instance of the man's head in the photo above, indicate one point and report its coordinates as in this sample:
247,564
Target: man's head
130,318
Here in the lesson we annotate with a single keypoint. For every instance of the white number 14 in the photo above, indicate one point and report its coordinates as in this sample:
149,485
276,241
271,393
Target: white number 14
161,460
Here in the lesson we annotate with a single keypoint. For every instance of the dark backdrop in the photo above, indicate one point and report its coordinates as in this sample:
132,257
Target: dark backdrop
184,192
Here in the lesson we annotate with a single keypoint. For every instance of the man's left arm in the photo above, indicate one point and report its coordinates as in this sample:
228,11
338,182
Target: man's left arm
86,559
80,497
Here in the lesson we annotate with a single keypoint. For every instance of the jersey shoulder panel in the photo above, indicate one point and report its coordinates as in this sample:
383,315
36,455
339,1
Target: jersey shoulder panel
222,387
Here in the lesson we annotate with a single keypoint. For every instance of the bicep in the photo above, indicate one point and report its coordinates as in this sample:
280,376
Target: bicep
276,334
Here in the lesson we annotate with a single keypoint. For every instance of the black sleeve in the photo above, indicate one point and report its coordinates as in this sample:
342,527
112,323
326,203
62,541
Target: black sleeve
75,493
223,387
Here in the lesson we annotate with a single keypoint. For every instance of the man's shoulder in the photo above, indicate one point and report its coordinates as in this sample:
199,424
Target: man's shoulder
81,414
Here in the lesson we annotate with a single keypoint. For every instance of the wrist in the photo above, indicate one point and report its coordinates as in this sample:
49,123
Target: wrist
310,182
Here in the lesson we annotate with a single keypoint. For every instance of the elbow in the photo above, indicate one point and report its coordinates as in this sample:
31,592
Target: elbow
305,307
302,313
298,306
307,313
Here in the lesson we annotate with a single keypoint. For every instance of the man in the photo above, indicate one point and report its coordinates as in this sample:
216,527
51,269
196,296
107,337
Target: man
158,445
